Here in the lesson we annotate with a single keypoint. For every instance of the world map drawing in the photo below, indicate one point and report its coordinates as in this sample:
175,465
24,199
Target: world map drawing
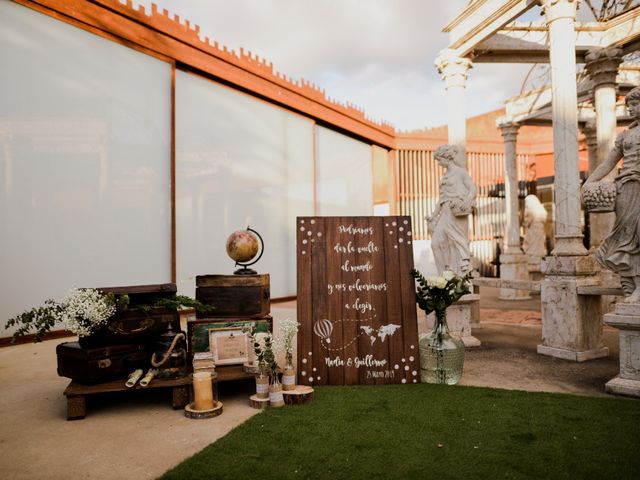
383,332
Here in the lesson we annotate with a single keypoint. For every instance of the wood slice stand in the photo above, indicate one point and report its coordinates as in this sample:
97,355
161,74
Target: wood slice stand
257,402
302,394
76,393
191,412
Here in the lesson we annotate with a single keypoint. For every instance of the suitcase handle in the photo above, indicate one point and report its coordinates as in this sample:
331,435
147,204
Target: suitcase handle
118,327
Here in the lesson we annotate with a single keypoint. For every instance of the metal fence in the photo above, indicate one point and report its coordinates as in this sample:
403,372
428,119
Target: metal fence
418,179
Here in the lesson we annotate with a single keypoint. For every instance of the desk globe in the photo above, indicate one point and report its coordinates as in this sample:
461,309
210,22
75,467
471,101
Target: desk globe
243,247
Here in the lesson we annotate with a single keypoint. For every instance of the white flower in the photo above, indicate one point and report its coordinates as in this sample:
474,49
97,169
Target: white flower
440,282
431,281
448,275
84,309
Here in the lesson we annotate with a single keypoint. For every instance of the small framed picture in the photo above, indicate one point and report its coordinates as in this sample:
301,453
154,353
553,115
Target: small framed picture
199,330
229,345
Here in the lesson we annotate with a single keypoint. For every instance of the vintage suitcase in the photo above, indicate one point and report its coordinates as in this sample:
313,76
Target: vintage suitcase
101,364
135,325
234,295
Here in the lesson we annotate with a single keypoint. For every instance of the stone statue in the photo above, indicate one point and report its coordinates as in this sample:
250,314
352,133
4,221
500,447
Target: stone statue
620,250
534,243
448,223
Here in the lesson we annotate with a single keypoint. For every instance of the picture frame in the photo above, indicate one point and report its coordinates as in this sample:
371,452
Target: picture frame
229,346
198,336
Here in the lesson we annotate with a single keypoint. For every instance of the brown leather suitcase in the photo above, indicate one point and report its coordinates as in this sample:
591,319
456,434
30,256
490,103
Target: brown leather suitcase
101,364
234,295
134,325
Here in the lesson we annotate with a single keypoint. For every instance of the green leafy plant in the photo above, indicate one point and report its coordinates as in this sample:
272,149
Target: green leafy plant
437,293
270,359
258,344
174,303
84,310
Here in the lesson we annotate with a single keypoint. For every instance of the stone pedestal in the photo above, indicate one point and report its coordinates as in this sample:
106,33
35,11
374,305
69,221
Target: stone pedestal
611,280
514,267
460,317
626,318
571,323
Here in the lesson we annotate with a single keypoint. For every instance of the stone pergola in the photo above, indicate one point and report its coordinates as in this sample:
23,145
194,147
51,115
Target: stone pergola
488,32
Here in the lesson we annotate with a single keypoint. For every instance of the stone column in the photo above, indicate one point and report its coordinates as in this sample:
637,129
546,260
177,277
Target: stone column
513,262
571,323
589,132
454,73
602,66
560,18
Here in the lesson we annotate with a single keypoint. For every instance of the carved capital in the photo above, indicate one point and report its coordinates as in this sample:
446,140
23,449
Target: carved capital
557,9
509,131
453,68
589,132
602,65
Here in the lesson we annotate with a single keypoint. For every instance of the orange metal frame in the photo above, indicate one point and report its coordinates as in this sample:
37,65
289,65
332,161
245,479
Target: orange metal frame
179,44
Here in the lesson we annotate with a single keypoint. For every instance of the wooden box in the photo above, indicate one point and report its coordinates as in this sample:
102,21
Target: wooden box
102,364
235,295
135,325
199,331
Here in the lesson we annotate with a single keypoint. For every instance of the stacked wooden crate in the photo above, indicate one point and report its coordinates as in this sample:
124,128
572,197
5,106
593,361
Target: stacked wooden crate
239,302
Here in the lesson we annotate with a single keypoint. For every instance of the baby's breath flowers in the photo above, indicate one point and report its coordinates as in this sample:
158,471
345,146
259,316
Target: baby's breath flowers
86,309
289,330
82,311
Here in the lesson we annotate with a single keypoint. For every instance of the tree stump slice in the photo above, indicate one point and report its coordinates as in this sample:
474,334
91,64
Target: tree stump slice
302,394
191,412
257,402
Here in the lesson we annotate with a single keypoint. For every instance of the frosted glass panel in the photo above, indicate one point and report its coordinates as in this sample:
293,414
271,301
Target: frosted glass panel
239,162
344,175
85,165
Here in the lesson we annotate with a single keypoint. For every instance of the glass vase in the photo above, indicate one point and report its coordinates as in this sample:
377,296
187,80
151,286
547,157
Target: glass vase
441,354
289,375
276,398
262,381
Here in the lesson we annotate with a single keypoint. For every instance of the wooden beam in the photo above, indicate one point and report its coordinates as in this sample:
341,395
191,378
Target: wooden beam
181,43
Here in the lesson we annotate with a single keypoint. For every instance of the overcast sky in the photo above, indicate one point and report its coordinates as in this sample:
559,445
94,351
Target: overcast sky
376,54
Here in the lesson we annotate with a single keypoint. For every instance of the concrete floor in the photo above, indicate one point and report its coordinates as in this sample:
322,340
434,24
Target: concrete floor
141,437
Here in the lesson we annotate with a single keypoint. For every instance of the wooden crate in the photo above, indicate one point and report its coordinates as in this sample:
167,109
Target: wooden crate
235,295
198,339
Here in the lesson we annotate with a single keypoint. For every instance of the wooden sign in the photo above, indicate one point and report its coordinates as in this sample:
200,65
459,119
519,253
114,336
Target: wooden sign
356,301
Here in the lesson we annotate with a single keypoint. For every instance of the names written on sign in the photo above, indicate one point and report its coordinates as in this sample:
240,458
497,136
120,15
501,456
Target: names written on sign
361,320
362,245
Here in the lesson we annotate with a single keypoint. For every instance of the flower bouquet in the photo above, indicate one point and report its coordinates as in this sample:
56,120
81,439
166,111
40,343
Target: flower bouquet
289,331
276,399
441,354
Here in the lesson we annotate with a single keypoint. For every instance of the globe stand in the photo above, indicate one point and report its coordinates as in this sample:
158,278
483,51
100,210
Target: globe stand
249,271
244,270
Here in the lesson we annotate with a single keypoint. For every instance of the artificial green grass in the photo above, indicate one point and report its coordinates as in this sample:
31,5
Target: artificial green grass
429,432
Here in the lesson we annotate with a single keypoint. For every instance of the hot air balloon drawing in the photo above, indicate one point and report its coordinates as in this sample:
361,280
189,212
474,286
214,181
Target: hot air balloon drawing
323,329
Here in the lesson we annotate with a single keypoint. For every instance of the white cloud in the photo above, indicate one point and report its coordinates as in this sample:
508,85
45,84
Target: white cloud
376,54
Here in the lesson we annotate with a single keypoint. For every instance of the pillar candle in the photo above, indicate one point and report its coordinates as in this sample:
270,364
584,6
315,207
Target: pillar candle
202,391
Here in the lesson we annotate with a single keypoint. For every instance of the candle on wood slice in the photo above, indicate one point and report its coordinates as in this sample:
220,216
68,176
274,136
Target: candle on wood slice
202,391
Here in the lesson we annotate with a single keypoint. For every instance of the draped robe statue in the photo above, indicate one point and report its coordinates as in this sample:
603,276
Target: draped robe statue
620,250
448,224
